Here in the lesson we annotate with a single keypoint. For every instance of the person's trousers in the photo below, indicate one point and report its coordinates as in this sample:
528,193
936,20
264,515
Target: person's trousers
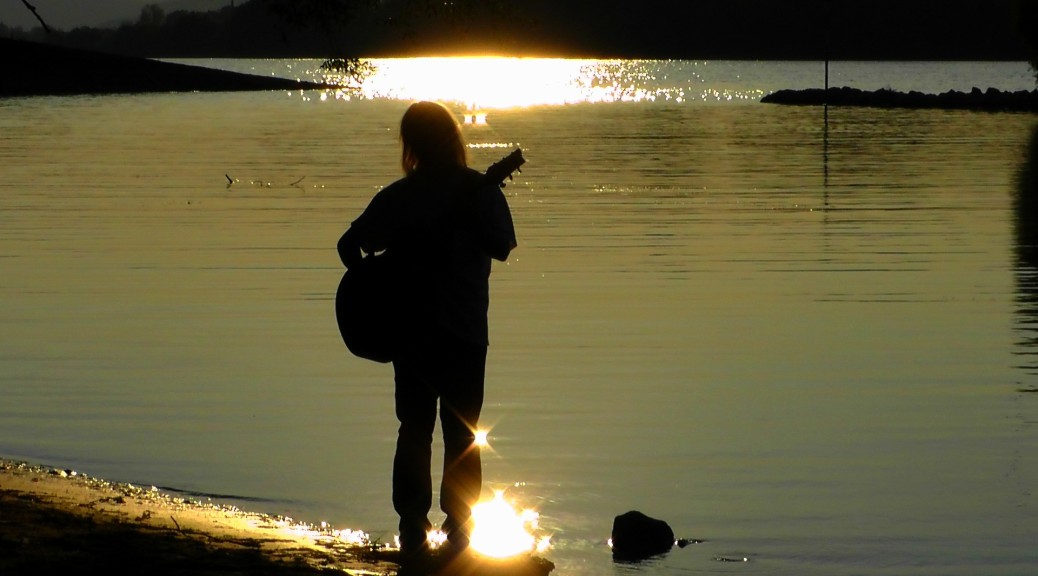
451,372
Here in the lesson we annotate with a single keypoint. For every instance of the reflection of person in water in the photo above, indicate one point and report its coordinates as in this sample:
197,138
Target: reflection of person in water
444,233
1025,209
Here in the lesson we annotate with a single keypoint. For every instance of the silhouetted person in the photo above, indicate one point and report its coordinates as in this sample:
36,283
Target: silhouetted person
444,227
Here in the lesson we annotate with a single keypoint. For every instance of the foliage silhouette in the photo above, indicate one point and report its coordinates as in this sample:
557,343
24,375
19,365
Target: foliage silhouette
1027,25
736,29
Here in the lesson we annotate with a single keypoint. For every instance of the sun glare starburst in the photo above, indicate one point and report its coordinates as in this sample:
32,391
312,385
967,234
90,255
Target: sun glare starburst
482,438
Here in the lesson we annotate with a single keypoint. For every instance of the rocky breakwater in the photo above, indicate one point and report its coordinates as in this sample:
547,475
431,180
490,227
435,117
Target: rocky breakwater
991,99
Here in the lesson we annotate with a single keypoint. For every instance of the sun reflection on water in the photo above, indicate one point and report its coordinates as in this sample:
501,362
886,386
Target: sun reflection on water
491,83
480,83
499,531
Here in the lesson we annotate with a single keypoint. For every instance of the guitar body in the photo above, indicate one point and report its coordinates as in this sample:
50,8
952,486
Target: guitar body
366,309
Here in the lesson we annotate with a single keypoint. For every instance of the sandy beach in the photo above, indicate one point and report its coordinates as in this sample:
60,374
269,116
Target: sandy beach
53,520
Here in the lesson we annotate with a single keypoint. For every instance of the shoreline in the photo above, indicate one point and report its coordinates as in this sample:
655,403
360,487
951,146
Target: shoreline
36,69
52,519
48,70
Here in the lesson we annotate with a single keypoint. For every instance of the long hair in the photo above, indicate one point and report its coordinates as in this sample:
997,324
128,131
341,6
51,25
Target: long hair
430,138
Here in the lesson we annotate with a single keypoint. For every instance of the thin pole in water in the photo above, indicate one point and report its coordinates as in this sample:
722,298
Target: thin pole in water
826,48
825,112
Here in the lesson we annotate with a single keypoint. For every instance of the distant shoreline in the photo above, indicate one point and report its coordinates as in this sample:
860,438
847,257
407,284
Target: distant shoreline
34,69
991,99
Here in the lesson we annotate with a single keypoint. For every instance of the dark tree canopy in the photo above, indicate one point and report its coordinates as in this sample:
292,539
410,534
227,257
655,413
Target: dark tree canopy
684,29
1027,23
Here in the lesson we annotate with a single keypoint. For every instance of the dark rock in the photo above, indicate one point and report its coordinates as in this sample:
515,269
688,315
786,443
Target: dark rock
637,537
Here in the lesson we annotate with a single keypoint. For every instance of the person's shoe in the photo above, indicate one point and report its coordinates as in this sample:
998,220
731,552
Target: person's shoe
451,558
457,535
413,549
413,537
416,568
415,561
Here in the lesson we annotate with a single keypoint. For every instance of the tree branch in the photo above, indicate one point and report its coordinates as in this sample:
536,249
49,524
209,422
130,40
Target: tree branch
37,15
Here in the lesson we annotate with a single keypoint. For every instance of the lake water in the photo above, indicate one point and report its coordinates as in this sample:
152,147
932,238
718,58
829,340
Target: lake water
811,346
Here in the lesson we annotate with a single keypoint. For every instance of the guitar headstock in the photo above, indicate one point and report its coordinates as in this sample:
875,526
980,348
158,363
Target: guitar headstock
503,168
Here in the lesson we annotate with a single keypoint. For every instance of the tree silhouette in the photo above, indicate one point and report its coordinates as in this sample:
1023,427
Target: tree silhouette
1027,21
328,18
152,16
736,29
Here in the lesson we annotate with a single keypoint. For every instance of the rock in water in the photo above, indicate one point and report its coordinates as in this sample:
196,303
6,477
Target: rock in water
637,536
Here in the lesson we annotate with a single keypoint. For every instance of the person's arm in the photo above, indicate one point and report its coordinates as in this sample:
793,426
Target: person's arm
495,229
349,248
369,232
